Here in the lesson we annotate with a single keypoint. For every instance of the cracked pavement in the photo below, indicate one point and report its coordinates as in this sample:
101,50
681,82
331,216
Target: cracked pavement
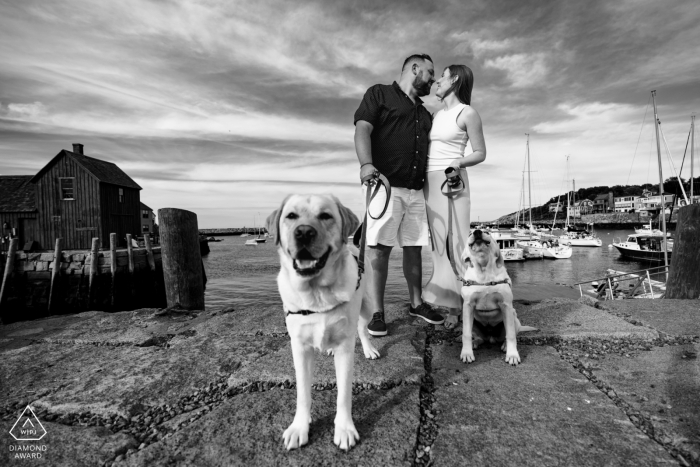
610,384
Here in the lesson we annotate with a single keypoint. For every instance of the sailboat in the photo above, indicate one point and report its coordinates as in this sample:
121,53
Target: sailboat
654,246
252,241
573,236
532,247
260,238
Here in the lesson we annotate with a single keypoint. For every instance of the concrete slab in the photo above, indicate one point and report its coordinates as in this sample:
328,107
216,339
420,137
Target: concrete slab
570,319
677,317
247,430
663,384
401,361
65,445
115,379
542,412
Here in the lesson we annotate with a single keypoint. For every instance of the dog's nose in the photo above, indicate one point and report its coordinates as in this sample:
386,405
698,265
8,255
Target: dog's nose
477,234
304,234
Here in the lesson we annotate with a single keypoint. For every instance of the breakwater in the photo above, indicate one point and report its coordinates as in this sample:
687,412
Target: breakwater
232,231
120,280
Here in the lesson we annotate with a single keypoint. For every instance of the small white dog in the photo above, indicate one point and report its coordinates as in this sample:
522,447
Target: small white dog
488,300
322,292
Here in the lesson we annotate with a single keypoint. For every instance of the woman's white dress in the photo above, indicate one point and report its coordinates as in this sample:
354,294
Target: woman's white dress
447,142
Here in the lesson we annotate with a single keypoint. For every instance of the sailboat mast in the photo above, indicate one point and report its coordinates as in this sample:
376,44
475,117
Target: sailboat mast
661,184
529,188
568,195
692,155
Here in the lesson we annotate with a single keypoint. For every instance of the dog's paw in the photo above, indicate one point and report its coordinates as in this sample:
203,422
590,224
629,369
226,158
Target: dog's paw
296,436
345,435
513,358
371,352
467,355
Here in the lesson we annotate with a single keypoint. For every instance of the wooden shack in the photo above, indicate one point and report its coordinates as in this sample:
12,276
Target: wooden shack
77,197
17,209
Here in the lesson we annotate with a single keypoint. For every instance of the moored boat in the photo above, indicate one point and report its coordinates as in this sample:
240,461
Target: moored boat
507,243
644,247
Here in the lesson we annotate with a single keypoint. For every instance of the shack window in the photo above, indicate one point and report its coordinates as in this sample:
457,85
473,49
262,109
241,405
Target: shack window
67,187
144,214
145,228
121,195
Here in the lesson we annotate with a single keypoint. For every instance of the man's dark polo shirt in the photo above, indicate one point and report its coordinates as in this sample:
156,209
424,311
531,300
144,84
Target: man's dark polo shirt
400,137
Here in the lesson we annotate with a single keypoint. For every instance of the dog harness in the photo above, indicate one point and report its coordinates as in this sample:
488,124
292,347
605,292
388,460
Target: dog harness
470,283
309,312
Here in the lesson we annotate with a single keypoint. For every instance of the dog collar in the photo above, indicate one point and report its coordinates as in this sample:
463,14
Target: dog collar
470,283
309,312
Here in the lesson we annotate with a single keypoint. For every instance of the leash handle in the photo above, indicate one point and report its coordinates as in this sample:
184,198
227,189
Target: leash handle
375,179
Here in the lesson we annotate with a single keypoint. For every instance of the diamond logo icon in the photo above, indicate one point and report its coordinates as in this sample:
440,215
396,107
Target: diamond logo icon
28,427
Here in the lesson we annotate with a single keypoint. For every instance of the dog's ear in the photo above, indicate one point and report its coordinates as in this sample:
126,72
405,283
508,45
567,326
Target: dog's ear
499,258
349,220
272,223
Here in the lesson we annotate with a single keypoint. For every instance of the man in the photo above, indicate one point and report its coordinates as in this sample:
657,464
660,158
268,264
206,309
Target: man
391,136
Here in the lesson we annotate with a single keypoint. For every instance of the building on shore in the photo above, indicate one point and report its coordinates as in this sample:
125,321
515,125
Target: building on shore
580,208
604,203
627,203
74,197
148,220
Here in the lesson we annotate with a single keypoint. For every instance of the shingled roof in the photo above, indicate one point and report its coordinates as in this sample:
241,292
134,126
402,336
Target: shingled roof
17,194
106,172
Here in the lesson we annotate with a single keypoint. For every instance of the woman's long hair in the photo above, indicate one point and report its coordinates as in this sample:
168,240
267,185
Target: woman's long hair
465,82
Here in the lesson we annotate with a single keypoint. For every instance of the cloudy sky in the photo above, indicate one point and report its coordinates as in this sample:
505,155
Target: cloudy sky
224,107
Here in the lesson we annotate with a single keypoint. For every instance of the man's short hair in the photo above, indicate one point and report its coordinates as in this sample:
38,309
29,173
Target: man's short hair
415,58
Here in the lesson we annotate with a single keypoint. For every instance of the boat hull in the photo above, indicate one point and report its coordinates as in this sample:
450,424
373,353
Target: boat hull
558,252
513,254
590,242
641,255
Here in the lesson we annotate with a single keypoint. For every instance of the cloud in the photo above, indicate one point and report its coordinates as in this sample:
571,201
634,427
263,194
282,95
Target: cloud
523,70
30,112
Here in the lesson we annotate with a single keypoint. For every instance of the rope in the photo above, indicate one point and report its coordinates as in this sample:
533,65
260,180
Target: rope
637,146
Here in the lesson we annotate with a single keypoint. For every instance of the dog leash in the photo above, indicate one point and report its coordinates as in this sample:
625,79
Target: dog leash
375,179
451,182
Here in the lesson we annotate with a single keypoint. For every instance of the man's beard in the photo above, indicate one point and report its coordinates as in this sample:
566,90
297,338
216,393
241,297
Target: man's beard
422,87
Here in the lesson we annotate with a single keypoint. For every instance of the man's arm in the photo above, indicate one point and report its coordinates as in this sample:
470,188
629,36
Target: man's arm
363,147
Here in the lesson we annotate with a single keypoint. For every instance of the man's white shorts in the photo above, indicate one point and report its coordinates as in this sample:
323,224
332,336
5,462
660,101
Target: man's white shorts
405,221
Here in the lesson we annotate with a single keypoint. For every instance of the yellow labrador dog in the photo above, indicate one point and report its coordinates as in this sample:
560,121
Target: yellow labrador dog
488,310
322,292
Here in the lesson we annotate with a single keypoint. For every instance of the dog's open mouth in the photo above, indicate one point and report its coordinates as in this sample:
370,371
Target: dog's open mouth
306,265
480,240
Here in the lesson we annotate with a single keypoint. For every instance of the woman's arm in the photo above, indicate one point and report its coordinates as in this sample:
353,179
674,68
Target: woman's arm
470,121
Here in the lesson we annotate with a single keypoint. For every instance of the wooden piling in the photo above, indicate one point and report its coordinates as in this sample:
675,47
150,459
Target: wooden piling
9,267
113,267
55,276
130,254
182,260
94,253
684,276
149,253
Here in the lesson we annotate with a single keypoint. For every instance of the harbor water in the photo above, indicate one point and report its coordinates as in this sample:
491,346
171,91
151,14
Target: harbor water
245,276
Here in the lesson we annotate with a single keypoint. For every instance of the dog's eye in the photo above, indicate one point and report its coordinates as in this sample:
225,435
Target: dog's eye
324,216
292,216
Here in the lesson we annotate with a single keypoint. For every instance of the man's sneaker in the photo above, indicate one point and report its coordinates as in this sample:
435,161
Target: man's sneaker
377,327
427,313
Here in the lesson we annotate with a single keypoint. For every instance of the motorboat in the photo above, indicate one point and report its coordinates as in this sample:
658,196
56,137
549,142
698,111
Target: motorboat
507,243
252,242
648,230
644,247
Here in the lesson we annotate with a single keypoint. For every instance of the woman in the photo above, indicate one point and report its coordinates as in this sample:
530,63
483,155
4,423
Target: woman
454,127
